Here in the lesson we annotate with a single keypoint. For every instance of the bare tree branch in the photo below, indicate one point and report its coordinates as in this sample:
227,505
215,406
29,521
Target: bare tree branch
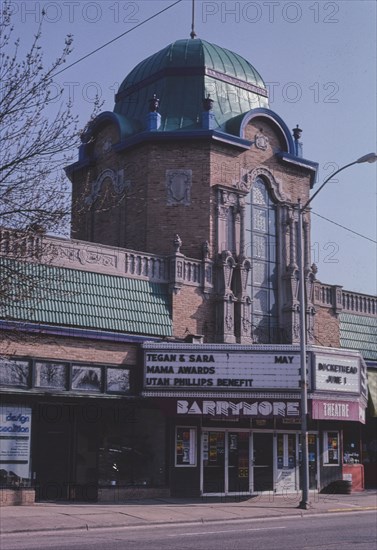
39,134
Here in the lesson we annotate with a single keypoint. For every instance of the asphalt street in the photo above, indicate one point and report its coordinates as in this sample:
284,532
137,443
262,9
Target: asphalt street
313,532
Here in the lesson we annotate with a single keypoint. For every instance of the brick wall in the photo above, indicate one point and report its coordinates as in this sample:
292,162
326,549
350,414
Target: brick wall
192,313
65,349
143,220
326,328
17,497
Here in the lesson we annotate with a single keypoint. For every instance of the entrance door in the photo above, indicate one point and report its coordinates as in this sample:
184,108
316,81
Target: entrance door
225,460
286,463
52,461
313,461
263,471
238,462
213,462
65,454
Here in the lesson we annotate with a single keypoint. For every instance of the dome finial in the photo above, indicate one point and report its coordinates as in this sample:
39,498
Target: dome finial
193,33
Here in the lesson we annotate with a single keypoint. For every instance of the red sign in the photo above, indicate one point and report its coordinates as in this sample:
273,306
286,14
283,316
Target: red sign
338,410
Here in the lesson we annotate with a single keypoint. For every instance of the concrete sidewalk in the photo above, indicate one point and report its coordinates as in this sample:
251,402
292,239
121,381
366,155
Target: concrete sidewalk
67,516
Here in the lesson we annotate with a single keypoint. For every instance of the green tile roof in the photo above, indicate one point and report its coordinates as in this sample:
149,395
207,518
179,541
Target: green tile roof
359,332
67,297
181,75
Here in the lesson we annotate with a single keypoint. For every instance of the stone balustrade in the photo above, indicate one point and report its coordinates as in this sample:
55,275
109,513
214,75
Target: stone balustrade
333,296
362,304
74,254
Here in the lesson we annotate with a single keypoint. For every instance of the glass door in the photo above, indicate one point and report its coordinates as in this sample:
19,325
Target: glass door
225,462
263,460
286,463
213,453
313,461
238,462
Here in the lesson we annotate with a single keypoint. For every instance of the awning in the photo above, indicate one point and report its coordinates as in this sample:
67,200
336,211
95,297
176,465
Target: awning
372,388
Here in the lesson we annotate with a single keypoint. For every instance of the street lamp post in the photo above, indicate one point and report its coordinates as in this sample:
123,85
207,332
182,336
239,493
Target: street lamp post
304,503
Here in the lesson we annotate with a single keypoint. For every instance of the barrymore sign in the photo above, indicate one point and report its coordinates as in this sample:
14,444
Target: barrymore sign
256,408
215,370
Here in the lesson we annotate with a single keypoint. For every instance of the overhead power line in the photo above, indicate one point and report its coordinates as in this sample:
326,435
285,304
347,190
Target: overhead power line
117,37
343,227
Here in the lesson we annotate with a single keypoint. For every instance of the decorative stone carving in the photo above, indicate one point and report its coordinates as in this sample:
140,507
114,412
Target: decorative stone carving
245,183
205,250
177,244
100,259
228,264
245,270
178,187
229,220
117,180
242,311
82,256
275,187
261,141
225,319
106,144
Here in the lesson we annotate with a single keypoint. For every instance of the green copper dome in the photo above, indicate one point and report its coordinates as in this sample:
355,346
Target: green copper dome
182,75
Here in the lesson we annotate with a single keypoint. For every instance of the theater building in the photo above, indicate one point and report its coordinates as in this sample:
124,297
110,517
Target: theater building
162,353
235,412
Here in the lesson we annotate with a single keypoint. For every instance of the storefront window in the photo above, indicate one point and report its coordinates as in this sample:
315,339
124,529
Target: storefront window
118,380
185,447
87,378
51,375
351,445
132,449
331,448
14,373
64,376
15,435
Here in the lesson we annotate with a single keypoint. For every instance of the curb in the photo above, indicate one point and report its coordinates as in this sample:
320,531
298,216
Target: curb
295,514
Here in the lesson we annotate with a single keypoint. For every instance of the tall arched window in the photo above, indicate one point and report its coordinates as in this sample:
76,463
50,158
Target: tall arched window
261,242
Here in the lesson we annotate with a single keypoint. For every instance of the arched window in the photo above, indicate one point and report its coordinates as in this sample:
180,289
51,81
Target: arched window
261,242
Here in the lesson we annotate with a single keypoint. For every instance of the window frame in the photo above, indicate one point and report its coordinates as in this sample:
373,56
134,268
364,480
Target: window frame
192,448
268,319
34,363
326,448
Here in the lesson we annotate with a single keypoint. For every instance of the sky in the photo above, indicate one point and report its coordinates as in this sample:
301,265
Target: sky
318,59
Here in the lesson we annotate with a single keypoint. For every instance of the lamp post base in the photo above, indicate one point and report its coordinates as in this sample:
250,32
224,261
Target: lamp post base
304,505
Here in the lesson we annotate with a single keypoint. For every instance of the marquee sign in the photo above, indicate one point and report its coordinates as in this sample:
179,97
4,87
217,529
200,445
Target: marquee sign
219,370
337,373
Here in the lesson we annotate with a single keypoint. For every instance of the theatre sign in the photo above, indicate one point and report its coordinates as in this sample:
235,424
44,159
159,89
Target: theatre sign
210,369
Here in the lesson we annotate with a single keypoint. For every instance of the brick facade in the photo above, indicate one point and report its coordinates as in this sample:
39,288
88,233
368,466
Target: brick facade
193,313
149,214
327,331
58,348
